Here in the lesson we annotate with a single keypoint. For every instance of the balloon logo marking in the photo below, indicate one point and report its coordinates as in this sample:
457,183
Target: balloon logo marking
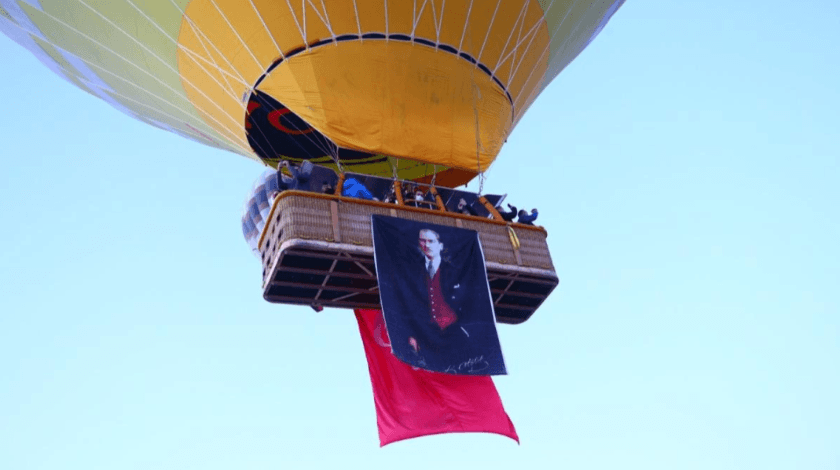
274,119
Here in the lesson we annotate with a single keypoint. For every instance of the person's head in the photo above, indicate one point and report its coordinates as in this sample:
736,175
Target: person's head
430,243
462,203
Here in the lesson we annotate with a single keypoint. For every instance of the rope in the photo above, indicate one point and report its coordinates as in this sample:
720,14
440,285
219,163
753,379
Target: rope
334,156
478,140
393,168
464,32
487,34
520,20
231,140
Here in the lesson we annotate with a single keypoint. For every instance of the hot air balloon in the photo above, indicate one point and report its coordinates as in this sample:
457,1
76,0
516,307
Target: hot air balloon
362,110
392,92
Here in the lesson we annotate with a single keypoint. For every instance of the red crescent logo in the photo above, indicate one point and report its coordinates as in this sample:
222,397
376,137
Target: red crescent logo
274,119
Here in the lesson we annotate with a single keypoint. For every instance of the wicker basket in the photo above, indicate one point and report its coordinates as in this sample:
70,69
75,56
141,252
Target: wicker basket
311,238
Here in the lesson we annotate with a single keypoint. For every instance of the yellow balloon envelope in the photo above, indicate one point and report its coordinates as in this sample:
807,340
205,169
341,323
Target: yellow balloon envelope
405,88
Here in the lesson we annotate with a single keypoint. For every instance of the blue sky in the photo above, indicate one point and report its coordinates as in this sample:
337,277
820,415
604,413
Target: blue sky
686,166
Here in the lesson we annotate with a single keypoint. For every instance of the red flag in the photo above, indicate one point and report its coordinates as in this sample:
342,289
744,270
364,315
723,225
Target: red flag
413,402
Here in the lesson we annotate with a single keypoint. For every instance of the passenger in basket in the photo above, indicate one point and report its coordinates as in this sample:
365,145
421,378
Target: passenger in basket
299,174
284,181
391,198
430,199
465,208
524,218
509,216
408,194
419,200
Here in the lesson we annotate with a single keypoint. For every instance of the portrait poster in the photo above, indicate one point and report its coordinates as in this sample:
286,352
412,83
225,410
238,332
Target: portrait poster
435,297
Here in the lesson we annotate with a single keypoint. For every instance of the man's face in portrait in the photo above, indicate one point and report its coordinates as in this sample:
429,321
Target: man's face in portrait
430,244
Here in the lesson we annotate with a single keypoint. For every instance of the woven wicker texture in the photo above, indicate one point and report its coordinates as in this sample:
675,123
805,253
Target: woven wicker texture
534,250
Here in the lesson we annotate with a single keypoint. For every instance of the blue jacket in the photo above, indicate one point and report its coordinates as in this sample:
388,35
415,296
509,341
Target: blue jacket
355,188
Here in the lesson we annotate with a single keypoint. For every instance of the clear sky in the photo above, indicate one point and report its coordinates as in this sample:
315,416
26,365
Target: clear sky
686,167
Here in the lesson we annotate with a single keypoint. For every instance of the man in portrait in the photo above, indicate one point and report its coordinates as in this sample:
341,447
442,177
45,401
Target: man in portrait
446,299
435,297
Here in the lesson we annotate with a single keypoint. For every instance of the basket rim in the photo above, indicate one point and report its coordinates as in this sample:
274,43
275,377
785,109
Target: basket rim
332,197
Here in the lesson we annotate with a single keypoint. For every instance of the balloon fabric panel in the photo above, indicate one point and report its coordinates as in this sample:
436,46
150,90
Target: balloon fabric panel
441,83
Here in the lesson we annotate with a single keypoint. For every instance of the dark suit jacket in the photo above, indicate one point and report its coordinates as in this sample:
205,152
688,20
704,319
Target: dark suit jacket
462,289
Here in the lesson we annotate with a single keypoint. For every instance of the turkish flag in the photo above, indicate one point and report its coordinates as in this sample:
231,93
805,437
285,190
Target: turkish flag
413,402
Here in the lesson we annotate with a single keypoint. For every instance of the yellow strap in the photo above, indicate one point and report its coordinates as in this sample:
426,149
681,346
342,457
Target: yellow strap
514,240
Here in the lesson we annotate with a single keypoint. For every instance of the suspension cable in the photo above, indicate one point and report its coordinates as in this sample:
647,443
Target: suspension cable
478,140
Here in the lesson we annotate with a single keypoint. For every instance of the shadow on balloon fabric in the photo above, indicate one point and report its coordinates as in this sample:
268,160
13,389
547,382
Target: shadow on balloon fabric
435,297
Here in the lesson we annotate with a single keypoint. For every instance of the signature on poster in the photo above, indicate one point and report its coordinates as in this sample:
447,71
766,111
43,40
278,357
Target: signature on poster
470,366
